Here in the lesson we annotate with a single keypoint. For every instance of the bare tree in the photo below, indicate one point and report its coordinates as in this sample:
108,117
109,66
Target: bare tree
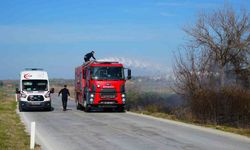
225,36
219,42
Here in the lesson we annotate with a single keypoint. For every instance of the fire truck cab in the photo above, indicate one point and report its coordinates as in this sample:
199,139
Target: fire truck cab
101,84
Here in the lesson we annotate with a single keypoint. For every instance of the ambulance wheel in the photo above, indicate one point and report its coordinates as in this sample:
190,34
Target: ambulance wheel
49,109
20,108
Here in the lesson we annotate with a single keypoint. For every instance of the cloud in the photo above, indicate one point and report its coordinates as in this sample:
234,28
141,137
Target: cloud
188,4
165,14
35,34
71,33
175,4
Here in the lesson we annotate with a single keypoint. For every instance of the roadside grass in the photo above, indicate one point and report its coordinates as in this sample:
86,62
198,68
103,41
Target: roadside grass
12,130
240,131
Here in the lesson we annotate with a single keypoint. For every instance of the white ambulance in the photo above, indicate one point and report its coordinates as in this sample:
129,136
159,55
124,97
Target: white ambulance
34,90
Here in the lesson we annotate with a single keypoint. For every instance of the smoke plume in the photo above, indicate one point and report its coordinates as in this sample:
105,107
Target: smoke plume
140,67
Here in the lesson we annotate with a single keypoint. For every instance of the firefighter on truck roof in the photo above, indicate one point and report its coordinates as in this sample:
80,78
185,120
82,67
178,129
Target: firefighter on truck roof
89,55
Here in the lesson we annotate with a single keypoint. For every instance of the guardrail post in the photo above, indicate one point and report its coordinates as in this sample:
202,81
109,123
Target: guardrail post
32,135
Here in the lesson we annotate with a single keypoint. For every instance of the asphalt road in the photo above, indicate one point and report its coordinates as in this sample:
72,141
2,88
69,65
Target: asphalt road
77,130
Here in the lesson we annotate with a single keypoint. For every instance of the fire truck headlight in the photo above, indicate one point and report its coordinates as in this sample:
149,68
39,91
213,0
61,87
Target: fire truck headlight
91,95
91,100
123,95
123,100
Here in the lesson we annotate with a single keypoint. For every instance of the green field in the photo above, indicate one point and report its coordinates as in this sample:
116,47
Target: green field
12,130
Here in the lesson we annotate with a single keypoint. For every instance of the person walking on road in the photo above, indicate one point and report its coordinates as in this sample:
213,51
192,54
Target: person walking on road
88,56
65,93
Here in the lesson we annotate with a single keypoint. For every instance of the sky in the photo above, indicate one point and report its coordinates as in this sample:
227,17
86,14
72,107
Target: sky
55,35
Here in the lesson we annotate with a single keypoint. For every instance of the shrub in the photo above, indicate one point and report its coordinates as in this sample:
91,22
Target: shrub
226,106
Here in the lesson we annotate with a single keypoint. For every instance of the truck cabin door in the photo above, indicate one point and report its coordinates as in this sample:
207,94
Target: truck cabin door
88,77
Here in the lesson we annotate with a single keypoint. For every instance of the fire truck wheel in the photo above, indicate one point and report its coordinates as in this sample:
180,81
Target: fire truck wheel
87,108
78,106
121,109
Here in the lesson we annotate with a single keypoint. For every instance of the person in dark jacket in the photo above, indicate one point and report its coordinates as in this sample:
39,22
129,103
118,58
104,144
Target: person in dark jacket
88,56
65,93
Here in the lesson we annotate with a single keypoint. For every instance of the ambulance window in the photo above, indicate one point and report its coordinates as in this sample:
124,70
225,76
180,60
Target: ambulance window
35,85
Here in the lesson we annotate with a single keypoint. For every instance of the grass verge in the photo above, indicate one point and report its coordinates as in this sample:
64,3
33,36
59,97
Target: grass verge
240,131
12,130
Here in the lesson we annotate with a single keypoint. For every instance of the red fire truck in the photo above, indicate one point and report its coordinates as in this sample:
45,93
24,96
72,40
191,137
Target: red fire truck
101,84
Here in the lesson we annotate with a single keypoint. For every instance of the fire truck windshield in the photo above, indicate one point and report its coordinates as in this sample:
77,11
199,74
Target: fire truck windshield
107,73
35,85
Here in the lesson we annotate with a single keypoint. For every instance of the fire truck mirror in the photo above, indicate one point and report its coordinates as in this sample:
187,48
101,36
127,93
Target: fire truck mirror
129,74
84,74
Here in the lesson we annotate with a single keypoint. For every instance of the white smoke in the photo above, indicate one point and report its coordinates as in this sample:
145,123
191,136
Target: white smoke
141,67
131,62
